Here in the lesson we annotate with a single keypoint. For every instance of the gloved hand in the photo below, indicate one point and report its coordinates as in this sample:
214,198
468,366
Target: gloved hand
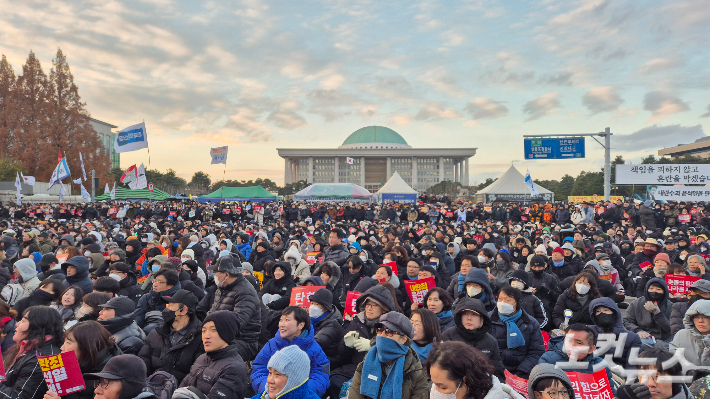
349,338
635,391
362,344
266,299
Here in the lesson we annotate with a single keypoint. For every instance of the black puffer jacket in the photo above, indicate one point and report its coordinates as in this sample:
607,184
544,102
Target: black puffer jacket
160,355
282,286
335,283
258,259
329,332
24,379
130,288
128,336
580,313
238,297
220,374
153,301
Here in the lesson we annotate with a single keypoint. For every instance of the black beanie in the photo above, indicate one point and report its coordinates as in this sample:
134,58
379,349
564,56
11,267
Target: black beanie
323,297
226,324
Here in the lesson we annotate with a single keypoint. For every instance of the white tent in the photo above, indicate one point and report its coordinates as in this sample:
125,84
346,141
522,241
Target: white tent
396,189
511,187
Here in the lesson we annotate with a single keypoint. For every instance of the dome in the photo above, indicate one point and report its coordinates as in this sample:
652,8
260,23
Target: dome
375,137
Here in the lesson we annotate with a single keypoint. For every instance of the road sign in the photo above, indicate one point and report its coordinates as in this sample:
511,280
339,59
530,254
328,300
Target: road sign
150,187
556,148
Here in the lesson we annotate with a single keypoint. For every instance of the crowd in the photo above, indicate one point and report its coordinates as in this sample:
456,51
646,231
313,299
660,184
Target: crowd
188,300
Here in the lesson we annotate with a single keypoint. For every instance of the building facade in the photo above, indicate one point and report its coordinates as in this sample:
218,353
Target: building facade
369,157
698,148
107,138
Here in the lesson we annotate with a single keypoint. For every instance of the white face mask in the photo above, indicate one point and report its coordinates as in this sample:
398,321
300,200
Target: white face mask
482,259
435,394
518,284
219,283
473,291
315,312
581,288
87,253
364,258
505,308
115,277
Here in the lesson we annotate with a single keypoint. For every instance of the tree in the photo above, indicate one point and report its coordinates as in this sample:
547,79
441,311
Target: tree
444,187
649,159
485,184
200,181
7,85
565,187
589,183
293,188
9,169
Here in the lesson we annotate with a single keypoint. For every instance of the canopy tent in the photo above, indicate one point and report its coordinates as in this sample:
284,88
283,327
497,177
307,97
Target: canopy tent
252,193
144,194
333,192
51,199
511,187
396,189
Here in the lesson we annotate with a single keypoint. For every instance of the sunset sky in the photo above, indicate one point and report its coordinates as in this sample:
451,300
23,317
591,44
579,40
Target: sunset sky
278,74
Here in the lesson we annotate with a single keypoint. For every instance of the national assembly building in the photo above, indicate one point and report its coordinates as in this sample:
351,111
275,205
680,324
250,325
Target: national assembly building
369,157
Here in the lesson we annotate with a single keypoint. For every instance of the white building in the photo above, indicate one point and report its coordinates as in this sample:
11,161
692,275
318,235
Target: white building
107,138
369,157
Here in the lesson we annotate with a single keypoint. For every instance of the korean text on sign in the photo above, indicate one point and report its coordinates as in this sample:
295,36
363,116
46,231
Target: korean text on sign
62,373
591,386
417,289
351,304
679,285
301,296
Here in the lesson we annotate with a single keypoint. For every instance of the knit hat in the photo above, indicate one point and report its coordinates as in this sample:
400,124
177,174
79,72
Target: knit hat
701,285
188,252
522,276
559,250
37,256
664,257
27,268
128,368
192,265
121,305
317,281
578,244
398,322
226,324
263,244
294,363
538,260
541,248
87,240
248,267
323,297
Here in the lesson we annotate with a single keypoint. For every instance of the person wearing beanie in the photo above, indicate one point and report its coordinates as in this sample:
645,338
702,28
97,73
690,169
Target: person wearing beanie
288,376
301,269
295,329
187,254
476,285
123,377
530,304
26,271
545,285
545,379
248,273
220,372
327,321
116,316
405,378
77,271
276,294
236,294
559,266
262,254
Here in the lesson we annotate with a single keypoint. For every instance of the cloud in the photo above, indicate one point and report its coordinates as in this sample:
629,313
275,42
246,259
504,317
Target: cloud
707,114
602,99
542,106
442,82
286,119
436,111
655,137
658,65
662,105
486,108
557,78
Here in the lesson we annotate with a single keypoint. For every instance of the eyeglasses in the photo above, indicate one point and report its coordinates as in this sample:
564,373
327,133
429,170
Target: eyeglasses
159,282
103,382
556,394
371,305
387,332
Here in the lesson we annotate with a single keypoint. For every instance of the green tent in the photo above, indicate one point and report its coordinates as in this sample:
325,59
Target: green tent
253,193
136,195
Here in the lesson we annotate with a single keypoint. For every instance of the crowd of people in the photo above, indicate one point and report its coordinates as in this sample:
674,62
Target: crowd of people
189,300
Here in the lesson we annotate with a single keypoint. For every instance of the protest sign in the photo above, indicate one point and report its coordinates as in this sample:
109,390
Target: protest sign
417,289
519,385
595,385
260,278
311,257
62,258
392,265
62,373
611,277
679,285
300,296
350,308
684,218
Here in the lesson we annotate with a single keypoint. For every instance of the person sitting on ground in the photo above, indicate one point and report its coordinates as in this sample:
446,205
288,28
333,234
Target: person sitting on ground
649,315
654,384
438,301
288,376
694,337
117,317
698,290
123,377
426,332
547,381
607,319
327,321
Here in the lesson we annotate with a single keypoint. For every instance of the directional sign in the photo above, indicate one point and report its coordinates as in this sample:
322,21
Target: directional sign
150,187
559,148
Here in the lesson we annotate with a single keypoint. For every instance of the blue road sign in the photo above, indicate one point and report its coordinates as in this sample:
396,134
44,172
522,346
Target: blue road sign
560,148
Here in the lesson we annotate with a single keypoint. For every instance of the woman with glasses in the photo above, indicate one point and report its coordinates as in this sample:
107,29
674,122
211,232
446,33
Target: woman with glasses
548,382
392,350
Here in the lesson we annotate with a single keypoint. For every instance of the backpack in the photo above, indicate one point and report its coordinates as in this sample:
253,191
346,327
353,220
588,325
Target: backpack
12,293
161,384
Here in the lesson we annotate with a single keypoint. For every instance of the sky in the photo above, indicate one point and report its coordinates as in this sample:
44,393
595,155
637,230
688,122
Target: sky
262,75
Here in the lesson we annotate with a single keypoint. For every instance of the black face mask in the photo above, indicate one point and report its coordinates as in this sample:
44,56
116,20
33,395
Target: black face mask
656,296
693,298
605,320
168,316
537,273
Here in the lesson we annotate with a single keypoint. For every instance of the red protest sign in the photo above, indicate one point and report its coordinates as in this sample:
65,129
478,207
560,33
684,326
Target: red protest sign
595,385
611,277
392,265
62,373
684,218
679,285
172,213
417,289
300,296
706,257
645,265
449,214
350,308
519,385
311,257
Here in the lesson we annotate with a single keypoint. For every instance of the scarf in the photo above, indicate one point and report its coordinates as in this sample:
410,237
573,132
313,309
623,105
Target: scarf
515,337
562,262
422,351
462,278
444,314
385,350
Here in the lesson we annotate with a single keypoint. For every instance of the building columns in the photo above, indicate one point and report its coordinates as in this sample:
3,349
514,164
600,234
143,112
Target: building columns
442,176
389,168
362,172
456,172
294,171
414,173
336,172
287,171
465,173
310,170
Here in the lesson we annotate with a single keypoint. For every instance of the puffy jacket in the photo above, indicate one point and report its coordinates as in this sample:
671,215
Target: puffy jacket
632,339
282,286
301,269
128,336
239,297
547,290
153,301
678,310
414,382
480,339
648,217
562,272
639,319
696,345
319,379
260,258
24,379
329,332
556,353
245,249
523,358
580,313
81,278
220,374
159,354
337,254
8,332
130,288
480,277
335,283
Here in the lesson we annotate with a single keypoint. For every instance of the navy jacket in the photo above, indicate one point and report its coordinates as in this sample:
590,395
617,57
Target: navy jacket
632,339
522,358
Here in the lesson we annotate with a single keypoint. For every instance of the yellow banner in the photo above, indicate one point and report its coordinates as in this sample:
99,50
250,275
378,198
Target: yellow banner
592,198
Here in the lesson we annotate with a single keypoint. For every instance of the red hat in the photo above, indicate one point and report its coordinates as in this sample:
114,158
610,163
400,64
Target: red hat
559,250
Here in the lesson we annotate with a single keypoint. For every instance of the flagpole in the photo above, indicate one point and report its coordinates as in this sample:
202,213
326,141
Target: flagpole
146,141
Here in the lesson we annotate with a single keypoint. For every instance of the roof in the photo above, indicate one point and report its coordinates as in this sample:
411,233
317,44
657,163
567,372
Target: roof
511,182
103,123
375,134
240,192
123,193
396,185
333,190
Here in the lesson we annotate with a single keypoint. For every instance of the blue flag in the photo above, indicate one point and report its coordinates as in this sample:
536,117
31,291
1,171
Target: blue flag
131,138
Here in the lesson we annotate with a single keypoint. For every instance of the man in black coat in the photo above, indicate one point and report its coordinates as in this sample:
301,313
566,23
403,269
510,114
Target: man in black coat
126,277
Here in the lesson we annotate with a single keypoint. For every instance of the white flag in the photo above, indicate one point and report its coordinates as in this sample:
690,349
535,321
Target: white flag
131,138
29,180
77,181
85,194
219,155
350,160
18,184
81,159
107,190
531,185
60,172
113,192
141,183
61,192
141,171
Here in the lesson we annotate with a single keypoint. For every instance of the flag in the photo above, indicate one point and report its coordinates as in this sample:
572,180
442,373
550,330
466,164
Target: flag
131,138
219,155
18,184
107,190
59,159
131,174
77,181
81,159
60,172
113,192
350,160
29,180
531,185
61,192
85,194
141,181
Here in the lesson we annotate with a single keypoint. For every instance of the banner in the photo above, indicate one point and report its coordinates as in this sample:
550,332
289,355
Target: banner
29,180
519,384
592,198
685,218
679,285
585,386
663,174
417,289
300,296
62,373
18,185
60,172
392,265
131,138
350,307
311,257
62,192
611,277
131,174
85,194
107,190
113,192
77,181
139,183
531,185
679,193
219,155
81,159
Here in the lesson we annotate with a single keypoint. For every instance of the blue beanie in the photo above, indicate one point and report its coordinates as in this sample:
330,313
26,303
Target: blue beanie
294,363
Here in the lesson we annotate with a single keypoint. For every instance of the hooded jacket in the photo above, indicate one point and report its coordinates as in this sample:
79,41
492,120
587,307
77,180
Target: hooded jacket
639,319
580,312
220,374
282,287
130,288
152,301
697,345
128,336
28,272
159,354
556,353
480,277
301,269
480,339
544,370
319,379
239,297
632,339
329,332
81,278
523,358
334,284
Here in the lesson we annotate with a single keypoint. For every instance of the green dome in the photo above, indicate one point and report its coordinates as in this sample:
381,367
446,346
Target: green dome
374,134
